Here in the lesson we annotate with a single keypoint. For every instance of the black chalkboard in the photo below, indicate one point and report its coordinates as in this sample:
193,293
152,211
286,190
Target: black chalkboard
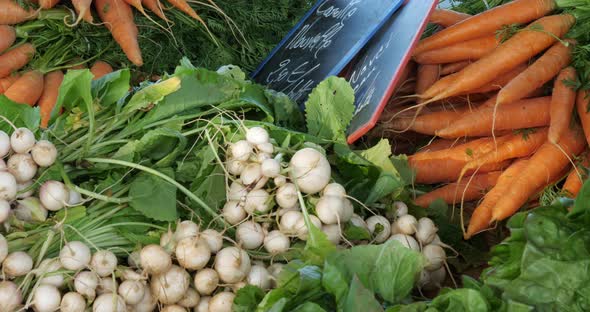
377,68
322,44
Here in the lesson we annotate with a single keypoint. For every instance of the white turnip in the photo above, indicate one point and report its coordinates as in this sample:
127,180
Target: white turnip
289,220
22,140
173,308
275,242
222,302
86,283
435,257
311,170
334,189
22,167
17,264
406,224
257,201
257,135
260,158
203,305
259,277
233,213
54,195
270,168
437,277
20,187
10,296
406,240
347,211
170,286
72,302
4,211
46,272
4,144
3,248
103,262
131,291
44,153
237,192
235,167
232,264
75,198
251,174
106,285
379,227
358,221
425,231
75,256
301,229
333,233
147,303
286,196
193,253
154,259
206,281
30,210
46,298
214,240
190,299
250,235
280,180
266,148
401,209
109,303
8,186
168,242
240,150
237,286
275,269
329,209
186,228
134,259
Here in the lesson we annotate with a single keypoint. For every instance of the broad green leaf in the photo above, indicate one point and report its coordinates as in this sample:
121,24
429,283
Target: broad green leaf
153,197
286,112
317,247
152,94
309,307
110,88
460,300
75,92
275,300
19,114
379,156
248,298
162,145
329,109
359,298
352,232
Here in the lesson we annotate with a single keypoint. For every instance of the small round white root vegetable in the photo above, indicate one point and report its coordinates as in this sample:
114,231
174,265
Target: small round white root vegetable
184,229
435,257
193,253
22,140
4,210
334,189
257,135
240,150
72,302
406,240
106,285
85,284
257,201
134,259
232,264
147,303
358,221
222,302
237,286
260,158
401,209
235,167
17,264
54,195
20,187
266,148
129,274
46,298
131,291
270,168
259,276
275,269
154,259
250,235
275,242
75,198
10,296
22,167
109,303
44,153
169,287
30,210
3,248
251,174
280,180
75,256
437,277
347,211
406,224
311,170
329,209
203,305
214,240
237,192
379,227
173,308
333,233
301,229
190,299
8,186
286,196
4,144
289,220
424,279
233,213
206,281
425,231
168,242
103,262
46,275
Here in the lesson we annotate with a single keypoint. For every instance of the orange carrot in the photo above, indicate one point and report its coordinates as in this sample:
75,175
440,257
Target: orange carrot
47,101
27,89
118,18
82,8
441,144
453,67
583,109
518,49
183,6
156,7
549,161
433,171
6,82
440,86
500,81
100,68
453,193
7,37
48,4
428,123
528,113
467,50
467,152
446,18
487,23
427,75
563,100
540,72
15,59
482,215
11,13
573,183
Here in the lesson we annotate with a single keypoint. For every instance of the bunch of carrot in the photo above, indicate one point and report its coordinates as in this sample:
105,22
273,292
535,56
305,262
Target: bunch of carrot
498,140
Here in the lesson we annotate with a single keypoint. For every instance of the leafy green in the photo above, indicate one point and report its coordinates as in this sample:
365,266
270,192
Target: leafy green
112,87
153,197
18,114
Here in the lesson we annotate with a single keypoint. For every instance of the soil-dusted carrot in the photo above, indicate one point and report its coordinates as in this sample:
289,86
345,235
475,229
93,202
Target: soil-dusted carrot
583,109
549,161
525,44
428,123
482,215
156,7
6,82
467,50
467,152
47,101
11,13
7,37
465,190
573,183
183,6
563,100
446,18
540,72
528,113
27,89
487,23
500,81
100,68
15,59
432,171
118,18
82,8
48,4
452,68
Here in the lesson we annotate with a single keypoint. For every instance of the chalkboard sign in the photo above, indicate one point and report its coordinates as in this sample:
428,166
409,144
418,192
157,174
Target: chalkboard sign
322,44
376,70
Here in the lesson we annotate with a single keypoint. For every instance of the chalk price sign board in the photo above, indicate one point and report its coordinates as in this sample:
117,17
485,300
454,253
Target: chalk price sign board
322,44
376,70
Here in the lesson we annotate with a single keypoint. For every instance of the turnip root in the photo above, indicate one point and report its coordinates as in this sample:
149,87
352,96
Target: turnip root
193,253
379,227
237,192
22,140
286,196
240,150
275,242
74,256
233,212
20,187
44,153
30,210
347,211
232,264
289,220
266,148
435,257
8,186
406,224
103,263
206,281
235,167
22,167
274,270
311,170
173,308
329,209
222,302
46,298
406,240
301,229
54,195
46,274
17,264
334,189
4,144
203,305
186,229
85,284
109,303
259,277
358,221
214,240
251,174
270,168
257,201
250,235
72,302
4,211
437,277
134,259
3,248
333,233
190,299
237,286
168,242
280,180
169,287
401,209
425,231
75,198
147,303
131,291
154,259
257,135
106,285
10,296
